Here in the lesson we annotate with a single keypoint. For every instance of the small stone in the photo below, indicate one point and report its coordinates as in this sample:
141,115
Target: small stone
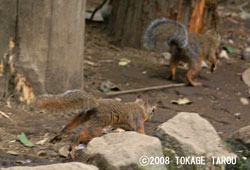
246,54
223,54
204,64
64,151
244,101
166,55
41,153
81,147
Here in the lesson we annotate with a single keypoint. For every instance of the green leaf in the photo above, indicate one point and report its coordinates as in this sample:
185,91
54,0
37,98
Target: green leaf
229,49
24,140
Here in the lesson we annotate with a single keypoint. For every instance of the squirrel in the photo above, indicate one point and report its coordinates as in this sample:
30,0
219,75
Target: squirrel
191,48
96,114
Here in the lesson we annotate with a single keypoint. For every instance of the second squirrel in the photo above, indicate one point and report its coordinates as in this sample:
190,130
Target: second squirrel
191,48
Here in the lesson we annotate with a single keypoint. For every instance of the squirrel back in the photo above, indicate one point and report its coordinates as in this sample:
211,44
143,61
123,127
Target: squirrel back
158,33
70,100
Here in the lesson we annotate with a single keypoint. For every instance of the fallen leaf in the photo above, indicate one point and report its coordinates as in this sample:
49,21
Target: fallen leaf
182,101
12,152
12,141
124,62
118,99
24,140
90,63
41,142
229,49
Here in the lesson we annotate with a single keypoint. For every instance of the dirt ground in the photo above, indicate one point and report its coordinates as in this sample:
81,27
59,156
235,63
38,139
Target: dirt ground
217,100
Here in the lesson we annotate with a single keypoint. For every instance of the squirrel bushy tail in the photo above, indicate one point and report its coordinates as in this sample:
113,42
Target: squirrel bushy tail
70,100
180,39
79,119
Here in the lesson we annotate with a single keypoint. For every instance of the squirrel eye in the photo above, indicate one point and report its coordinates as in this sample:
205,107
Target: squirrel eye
153,110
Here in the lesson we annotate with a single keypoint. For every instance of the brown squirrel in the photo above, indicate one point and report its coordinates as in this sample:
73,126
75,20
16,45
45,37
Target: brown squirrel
191,48
96,114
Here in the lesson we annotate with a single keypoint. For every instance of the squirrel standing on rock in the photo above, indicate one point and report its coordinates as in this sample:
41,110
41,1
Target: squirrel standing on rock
191,48
96,114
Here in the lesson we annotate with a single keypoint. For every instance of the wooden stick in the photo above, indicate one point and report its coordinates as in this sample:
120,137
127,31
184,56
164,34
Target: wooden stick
4,115
146,89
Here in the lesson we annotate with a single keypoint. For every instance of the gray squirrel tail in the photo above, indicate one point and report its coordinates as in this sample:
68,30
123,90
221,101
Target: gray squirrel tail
180,39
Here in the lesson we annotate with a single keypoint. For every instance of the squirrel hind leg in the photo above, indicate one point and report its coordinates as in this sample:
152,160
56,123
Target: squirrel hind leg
173,64
90,131
193,71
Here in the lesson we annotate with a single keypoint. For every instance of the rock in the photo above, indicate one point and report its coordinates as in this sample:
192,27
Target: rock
246,77
123,151
64,151
61,166
242,135
188,134
80,147
166,55
223,54
244,101
204,64
246,54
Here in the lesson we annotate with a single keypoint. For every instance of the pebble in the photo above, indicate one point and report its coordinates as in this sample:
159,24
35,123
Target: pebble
64,151
244,101
223,54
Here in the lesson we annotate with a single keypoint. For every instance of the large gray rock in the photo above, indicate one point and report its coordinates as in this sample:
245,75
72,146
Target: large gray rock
60,166
242,135
123,150
188,134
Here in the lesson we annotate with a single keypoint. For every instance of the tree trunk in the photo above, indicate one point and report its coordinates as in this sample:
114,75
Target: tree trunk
45,53
129,19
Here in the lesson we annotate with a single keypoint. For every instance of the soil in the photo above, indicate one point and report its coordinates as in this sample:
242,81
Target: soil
218,100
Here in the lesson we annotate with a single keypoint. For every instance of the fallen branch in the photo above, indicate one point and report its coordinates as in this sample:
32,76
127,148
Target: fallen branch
146,89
